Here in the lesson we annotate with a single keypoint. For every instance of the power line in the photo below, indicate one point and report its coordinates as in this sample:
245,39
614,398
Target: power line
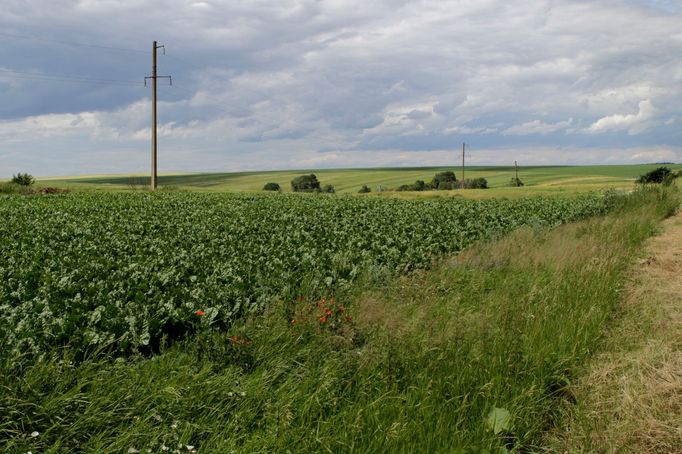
10,73
71,43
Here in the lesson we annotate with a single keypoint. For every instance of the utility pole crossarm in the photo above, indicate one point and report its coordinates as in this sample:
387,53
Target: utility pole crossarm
153,78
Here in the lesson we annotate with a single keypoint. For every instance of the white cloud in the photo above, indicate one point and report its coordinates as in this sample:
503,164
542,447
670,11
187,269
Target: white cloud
538,127
633,123
658,154
99,125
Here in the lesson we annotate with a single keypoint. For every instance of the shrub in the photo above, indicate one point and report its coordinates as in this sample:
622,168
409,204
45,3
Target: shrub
446,185
305,183
364,189
328,188
478,183
474,183
271,187
516,182
444,180
418,185
23,179
659,175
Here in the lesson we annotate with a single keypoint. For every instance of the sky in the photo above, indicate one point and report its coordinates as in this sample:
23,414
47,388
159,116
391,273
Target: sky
299,84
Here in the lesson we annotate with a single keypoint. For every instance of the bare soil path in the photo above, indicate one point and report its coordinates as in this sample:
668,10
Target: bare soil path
630,396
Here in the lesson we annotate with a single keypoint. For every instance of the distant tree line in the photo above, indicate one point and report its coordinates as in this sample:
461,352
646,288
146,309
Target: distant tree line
445,181
441,181
303,183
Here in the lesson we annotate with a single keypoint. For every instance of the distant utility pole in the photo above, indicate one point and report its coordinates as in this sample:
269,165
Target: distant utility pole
516,167
153,77
463,146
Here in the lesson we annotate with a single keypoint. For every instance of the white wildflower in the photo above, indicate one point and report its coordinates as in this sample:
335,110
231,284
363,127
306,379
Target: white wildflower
35,433
132,451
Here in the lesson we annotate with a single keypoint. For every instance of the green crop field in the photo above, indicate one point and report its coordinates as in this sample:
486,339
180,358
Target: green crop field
128,269
537,180
216,321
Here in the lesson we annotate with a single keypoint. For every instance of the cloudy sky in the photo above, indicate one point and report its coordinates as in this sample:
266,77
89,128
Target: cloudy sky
268,84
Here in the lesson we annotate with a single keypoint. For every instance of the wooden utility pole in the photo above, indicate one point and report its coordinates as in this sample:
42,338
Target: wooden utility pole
153,77
463,146
154,176
516,167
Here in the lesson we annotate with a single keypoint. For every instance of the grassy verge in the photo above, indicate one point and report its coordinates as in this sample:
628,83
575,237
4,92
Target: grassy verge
630,393
11,188
475,355
7,189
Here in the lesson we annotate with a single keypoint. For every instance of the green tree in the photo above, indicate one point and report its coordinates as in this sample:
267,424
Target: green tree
305,183
271,187
444,180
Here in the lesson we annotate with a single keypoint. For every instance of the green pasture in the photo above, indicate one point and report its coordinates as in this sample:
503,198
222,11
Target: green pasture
537,179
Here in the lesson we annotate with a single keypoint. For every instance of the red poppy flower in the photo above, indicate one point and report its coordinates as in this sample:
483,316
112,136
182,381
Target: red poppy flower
234,340
200,312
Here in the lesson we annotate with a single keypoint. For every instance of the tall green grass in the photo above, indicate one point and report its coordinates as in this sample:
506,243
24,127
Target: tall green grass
10,188
421,367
